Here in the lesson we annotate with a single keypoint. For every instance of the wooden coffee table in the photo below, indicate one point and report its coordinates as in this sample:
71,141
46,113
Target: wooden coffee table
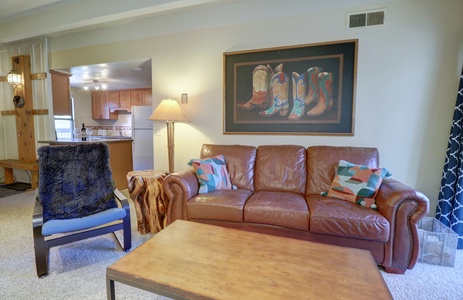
189,260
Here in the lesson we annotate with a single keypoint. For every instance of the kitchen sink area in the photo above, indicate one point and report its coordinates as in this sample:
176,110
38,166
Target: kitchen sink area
110,137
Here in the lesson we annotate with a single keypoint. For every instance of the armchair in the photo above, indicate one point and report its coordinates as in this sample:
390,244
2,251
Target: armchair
76,199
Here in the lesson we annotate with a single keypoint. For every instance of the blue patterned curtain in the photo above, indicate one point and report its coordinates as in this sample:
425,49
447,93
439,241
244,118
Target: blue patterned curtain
450,203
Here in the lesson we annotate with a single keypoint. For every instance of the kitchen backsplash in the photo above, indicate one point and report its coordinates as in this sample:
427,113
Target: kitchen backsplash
111,130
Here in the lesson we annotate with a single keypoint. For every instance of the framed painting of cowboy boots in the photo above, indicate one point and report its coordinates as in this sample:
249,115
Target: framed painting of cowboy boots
293,90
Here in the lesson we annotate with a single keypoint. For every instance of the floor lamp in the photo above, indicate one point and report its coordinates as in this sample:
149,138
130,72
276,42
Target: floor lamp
169,111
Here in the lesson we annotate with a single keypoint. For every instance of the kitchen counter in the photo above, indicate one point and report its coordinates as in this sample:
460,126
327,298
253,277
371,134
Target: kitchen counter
120,154
97,139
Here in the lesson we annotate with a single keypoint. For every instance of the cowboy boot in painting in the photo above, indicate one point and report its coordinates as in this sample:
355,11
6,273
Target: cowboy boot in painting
312,86
299,90
260,86
325,101
279,93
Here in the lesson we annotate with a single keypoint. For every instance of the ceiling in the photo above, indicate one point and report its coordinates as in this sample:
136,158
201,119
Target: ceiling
59,17
117,76
13,7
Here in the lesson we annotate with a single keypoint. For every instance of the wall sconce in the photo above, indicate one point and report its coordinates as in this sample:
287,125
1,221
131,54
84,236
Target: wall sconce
14,77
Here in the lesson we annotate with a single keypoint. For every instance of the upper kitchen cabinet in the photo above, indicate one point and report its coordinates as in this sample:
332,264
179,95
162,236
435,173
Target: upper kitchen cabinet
147,97
106,104
140,97
61,93
101,106
119,100
136,97
113,99
124,98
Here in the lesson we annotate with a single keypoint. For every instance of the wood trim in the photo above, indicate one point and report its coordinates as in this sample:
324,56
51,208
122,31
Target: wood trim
8,112
34,112
39,76
33,77
61,73
40,111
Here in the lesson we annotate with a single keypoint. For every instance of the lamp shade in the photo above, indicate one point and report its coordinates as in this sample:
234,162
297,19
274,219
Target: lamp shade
168,110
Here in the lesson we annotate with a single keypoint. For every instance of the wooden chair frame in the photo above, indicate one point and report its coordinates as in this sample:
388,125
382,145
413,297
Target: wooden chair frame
43,244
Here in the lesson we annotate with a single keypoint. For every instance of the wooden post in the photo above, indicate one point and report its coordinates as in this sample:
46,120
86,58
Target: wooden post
170,144
24,117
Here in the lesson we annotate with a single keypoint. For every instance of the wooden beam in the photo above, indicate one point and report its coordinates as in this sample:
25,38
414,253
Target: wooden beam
33,77
39,76
24,118
40,111
8,112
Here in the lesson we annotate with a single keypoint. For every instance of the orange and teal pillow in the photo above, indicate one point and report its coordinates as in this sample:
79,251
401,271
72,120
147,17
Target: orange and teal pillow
212,174
356,183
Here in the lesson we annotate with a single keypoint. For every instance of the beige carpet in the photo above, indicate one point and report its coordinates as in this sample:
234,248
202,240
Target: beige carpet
77,271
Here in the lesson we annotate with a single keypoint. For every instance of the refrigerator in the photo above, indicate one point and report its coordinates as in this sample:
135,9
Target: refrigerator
142,135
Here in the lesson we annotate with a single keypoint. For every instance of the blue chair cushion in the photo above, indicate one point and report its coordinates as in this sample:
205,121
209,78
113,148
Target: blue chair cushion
75,180
61,226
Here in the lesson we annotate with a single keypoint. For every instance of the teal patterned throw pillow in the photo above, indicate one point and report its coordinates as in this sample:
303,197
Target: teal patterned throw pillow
212,174
357,183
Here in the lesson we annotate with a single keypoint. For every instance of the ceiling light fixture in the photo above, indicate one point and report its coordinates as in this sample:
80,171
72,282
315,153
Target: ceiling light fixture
96,84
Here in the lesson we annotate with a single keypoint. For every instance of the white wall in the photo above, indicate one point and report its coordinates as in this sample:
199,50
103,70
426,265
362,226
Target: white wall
407,79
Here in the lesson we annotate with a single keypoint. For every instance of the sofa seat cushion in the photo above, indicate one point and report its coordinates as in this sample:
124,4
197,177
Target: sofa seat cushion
224,205
284,209
341,218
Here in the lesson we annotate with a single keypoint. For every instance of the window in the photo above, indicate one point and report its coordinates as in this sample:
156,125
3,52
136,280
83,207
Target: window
64,125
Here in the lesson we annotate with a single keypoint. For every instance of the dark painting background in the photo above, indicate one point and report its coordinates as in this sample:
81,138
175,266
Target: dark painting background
336,58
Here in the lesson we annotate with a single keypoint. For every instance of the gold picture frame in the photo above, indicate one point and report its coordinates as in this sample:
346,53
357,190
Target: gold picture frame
265,90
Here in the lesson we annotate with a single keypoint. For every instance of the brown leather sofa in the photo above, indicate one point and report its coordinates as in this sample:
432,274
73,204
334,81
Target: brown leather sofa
278,192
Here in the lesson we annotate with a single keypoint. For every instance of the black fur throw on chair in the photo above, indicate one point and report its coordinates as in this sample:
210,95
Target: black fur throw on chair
75,180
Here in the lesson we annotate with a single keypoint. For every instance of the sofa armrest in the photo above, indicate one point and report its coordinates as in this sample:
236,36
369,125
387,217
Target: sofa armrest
403,207
179,188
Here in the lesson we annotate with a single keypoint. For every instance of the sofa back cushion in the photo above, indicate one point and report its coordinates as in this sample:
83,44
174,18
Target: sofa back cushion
240,162
281,168
323,160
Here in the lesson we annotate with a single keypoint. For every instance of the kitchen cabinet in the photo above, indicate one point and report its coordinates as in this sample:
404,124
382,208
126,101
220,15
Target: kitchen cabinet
61,93
147,97
101,106
124,98
103,102
120,159
113,99
136,97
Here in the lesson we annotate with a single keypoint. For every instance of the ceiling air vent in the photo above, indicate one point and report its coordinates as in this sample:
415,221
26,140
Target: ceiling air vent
362,19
